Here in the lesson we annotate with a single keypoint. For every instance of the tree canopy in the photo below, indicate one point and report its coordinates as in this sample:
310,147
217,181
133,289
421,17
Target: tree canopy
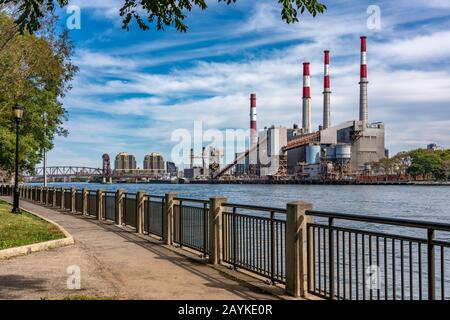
417,162
35,71
163,13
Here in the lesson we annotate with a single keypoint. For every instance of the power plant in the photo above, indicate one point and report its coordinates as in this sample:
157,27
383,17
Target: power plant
334,152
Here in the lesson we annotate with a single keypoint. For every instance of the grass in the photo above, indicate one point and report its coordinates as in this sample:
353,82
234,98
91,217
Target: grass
24,229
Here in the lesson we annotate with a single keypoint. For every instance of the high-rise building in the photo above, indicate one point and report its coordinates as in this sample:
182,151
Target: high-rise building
124,163
154,163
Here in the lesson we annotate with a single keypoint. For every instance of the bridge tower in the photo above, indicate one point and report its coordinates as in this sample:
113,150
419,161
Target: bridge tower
106,168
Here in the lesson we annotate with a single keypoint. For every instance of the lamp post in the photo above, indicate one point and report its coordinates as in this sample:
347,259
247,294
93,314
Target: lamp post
18,113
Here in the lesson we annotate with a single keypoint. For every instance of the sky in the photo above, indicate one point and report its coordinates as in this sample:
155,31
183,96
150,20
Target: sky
135,88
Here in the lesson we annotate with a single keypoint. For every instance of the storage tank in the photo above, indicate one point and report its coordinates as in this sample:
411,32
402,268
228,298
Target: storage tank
313,154
343,152
331,153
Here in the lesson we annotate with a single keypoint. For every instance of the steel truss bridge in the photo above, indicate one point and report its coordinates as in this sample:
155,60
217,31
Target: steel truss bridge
66,172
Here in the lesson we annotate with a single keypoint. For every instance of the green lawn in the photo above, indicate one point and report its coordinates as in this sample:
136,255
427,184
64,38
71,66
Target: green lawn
20,230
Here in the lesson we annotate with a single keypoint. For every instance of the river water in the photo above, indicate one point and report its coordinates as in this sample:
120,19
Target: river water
428,203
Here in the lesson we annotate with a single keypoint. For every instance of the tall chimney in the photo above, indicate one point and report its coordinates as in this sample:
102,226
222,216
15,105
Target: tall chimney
363,101
326,92
192,158
253,118
306,98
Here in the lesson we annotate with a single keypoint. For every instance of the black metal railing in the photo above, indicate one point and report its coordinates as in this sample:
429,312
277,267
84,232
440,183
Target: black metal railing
347,260
58,195
109,206
79,201
68,199
254,240
191,224
92,203
129,210
153,215
349,257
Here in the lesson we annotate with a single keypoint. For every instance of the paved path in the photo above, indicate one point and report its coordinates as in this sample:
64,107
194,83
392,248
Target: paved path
114,263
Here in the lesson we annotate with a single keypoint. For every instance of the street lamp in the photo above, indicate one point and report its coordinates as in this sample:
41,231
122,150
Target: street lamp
18,113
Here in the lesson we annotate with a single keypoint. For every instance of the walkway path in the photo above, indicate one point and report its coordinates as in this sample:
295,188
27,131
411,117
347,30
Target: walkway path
114,263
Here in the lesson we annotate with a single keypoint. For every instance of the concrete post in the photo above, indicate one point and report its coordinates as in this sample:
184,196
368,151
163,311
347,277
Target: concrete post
120,194
62,198
46,196
168,218
54,197
140,200
296,248
73,198
215,229
41,194
100,211
85,193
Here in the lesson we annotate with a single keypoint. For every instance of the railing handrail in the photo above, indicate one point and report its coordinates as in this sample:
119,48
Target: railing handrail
381,220
191,200
253,207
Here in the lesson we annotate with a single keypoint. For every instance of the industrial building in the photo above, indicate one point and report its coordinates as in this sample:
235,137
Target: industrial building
124,163
171,169
333,152
154,164
210,164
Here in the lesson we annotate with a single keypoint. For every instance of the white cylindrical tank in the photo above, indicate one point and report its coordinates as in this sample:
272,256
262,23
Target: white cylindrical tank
331,153
343,152
313,154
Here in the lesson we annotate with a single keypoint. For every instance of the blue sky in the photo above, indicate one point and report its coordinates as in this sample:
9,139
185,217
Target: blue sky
135,88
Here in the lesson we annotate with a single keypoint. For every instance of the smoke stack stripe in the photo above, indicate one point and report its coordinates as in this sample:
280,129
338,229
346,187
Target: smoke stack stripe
326,91
253,119
363,102
306,98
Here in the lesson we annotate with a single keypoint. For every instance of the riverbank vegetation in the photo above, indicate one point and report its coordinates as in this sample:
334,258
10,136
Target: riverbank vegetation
24,229
428,164
35,71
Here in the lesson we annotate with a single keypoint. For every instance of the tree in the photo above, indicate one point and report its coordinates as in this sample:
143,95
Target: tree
164,13
35,70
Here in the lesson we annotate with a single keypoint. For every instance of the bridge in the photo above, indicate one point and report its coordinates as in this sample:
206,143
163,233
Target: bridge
68,173
65,173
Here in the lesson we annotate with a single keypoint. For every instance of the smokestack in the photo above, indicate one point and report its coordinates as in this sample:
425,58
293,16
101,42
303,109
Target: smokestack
192,158
204,160
253,118
326,92
363,100
306,98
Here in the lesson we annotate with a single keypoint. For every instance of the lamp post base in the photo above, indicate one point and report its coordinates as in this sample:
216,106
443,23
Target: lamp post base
16,211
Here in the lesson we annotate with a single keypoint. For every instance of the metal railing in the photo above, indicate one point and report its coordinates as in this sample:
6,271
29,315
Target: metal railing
191,224
254,240
361,263
58,195
79,201
347,256
109,206
129,210
153,215
92,203
68,199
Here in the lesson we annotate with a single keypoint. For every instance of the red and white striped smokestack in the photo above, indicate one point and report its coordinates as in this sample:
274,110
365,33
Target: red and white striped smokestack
253,119
306,98
326,91
363,98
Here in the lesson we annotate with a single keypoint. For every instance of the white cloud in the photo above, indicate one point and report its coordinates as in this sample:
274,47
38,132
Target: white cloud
142,107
